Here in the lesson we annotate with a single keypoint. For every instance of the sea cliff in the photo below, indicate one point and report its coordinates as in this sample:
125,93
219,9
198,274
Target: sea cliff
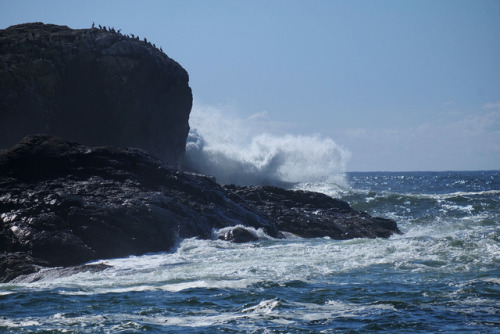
95,86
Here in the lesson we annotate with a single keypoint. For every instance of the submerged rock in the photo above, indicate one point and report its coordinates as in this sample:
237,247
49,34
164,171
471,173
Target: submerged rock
94,86
53,273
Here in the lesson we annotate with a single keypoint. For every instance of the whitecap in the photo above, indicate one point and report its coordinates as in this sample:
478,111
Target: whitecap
237,151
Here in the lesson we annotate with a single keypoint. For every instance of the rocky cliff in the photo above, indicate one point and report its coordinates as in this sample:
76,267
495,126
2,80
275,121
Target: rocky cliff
95,86
63,204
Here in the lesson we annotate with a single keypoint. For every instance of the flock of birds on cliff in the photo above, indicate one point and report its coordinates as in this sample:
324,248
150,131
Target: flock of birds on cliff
112,29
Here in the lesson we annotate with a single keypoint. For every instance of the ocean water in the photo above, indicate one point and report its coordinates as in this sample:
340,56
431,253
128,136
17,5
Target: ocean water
441,275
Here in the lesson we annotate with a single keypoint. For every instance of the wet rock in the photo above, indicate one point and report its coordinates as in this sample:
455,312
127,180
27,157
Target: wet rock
15,264
310,215
63,204
238,235
52,273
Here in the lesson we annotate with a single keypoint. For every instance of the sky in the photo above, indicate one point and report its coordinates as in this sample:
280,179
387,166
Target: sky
401,85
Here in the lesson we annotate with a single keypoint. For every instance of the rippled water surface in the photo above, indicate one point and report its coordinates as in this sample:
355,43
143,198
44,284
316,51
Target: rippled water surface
441,275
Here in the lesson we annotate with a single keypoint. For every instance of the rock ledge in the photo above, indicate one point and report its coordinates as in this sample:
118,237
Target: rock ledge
64,204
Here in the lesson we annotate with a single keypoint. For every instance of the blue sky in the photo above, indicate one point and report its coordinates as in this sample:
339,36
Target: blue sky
401,85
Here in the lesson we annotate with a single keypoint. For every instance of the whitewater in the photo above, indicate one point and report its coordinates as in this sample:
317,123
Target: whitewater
441,275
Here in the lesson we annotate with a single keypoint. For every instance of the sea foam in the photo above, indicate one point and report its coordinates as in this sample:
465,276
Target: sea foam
250,152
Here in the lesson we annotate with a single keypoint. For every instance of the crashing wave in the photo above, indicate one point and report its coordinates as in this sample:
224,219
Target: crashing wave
236,152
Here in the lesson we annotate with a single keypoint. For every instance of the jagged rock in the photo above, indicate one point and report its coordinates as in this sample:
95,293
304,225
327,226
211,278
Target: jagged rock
15,264
309,214
94,86
238,235
63,204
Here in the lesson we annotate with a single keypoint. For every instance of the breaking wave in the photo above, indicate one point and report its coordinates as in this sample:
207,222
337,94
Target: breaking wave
247,152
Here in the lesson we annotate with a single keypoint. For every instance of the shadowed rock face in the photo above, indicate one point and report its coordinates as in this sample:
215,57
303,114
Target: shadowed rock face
312,215
64,204
94,86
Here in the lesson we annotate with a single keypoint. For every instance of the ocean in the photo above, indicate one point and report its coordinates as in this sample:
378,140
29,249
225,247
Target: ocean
441,275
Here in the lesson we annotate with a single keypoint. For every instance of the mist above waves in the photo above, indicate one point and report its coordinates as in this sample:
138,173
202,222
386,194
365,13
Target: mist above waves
255,151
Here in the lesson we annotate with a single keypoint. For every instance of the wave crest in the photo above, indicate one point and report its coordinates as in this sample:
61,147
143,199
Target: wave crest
238,151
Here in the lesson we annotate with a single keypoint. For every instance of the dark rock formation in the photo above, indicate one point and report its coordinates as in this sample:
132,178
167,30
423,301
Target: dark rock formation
310,215
52,273
94,86
238,235
63,204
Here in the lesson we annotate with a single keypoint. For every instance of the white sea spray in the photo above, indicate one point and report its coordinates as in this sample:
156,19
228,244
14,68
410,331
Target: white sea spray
246,152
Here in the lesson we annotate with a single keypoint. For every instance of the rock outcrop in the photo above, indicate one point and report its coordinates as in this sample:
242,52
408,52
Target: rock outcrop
238,234
312,215
64,204
94,86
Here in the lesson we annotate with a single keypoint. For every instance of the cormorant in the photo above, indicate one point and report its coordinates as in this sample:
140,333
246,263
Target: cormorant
93,24
100,26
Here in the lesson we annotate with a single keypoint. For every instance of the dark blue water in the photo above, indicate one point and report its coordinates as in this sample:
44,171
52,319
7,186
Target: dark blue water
442,275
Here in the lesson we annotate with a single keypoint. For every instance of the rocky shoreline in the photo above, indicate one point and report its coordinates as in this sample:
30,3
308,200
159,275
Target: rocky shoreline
90,196
64,204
